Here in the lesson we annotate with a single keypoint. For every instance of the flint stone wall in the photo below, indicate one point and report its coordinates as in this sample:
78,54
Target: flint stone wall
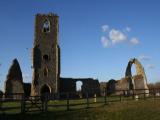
14,81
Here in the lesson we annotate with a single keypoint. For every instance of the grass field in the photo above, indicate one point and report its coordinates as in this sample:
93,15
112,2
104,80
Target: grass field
126,110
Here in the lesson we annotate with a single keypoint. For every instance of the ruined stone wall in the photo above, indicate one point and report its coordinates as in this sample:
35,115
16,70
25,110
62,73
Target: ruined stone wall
14,81
138,81
139,84
103,86
89,85
27,89
122,84
118,86
67,85
111,86
129,82
1,94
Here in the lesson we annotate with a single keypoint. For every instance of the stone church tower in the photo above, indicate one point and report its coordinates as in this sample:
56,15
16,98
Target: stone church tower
46,55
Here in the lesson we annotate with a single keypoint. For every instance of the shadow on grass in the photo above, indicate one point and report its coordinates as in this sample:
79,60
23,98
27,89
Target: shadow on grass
71,114
132,110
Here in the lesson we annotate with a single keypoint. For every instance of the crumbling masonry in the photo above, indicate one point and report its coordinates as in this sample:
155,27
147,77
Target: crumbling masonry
46,66
129,82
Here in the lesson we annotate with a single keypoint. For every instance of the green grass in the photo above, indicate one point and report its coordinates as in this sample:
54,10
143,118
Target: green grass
126,110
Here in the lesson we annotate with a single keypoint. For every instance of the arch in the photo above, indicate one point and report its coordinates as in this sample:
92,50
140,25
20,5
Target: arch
139,68
46,26
79,88
46,57
139,71
45,89
79,85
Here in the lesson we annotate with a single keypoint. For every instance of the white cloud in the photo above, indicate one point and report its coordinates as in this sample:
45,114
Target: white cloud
128,29
105,28
117,36
150,66
134,41
144,57
114,36
105,41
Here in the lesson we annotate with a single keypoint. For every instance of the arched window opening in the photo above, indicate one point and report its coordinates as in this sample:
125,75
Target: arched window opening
46,72
46,26
45,57
79,86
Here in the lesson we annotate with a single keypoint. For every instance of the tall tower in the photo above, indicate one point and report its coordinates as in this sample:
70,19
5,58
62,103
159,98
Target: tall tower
46,55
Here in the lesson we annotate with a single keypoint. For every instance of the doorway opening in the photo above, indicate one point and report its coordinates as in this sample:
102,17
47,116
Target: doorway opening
45,89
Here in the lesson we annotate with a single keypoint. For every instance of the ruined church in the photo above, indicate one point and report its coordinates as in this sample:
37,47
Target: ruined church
46,67
46,63
130,83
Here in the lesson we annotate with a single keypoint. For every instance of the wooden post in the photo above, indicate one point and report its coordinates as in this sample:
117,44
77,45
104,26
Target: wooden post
105,97
46,102
87,100
133,96
95,98
67,101
120,98
154,93
23,104
144,95
1,101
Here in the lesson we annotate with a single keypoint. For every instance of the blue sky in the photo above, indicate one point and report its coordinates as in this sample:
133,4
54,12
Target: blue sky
97,37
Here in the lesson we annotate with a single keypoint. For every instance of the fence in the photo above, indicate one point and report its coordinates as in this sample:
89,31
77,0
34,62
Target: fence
44,103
